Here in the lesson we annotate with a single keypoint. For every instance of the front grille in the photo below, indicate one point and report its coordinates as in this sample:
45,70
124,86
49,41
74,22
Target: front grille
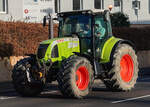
42,50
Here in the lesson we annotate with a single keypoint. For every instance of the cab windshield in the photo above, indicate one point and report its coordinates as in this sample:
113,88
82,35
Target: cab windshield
76,24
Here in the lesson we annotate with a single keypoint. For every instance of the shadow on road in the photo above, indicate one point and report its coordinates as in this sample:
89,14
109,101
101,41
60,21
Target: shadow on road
52,91
4,86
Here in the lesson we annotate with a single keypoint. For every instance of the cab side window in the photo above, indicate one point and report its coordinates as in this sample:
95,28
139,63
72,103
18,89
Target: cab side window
100,29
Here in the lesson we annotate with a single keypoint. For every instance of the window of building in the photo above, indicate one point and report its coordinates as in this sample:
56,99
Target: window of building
117,3
56,6
35,0
136,4
99,4
149,6
2,6
81,4
76,4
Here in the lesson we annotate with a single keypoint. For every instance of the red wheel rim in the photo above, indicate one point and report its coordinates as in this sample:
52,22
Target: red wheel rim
82,78
126,68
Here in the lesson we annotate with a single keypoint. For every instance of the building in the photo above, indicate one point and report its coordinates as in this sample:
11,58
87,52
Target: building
138,10
34,10
25,10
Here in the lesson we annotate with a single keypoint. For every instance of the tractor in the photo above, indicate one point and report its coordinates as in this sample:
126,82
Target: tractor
84,51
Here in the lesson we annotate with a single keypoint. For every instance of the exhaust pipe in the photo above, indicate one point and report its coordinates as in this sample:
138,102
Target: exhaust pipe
50,25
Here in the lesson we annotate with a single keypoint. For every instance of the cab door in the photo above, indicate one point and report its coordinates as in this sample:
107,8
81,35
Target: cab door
84,34
100,34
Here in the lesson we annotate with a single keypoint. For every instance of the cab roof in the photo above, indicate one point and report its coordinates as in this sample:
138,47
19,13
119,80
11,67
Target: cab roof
91,11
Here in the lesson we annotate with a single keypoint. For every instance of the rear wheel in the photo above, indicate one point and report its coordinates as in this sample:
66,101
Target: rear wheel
76,77
124,72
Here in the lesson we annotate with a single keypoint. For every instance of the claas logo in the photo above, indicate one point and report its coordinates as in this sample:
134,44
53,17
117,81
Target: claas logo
35,0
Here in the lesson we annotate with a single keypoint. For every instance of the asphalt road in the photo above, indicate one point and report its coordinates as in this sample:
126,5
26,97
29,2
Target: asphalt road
99,97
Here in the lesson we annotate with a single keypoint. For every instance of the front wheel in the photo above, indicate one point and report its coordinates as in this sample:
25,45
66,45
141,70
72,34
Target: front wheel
76,77
124,72
21,76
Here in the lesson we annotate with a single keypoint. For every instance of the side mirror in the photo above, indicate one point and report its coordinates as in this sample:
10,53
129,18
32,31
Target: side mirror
44,21
55,18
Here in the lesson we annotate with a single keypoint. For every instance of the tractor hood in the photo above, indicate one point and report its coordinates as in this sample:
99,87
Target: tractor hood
57,49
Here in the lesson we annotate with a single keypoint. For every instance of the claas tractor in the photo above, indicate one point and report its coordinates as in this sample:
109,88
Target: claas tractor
84,51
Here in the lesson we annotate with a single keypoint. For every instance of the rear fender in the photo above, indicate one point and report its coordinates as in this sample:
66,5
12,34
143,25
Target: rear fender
107,49
110,46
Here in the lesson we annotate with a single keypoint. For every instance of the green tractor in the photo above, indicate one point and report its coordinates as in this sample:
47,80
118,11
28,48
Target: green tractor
85,50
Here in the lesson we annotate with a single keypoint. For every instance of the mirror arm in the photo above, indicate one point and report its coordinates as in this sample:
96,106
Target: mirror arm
50,27
44,21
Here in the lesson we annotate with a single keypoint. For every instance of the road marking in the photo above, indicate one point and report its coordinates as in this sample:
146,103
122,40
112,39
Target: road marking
130,99
49,92
6,98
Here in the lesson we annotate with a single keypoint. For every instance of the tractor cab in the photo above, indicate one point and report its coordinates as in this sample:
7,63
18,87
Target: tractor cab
92,27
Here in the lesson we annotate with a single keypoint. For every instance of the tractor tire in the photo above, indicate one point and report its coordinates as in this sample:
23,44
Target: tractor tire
76,77
20,79
124,72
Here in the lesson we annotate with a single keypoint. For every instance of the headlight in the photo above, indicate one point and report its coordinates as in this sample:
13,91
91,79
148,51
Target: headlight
42,50
54,53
